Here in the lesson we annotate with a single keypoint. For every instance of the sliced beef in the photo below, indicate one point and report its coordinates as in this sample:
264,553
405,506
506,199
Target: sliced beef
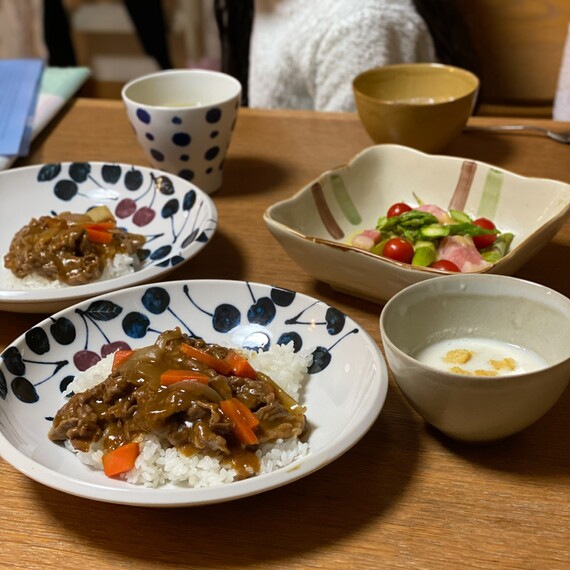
132,401
253,393
58,248
276,422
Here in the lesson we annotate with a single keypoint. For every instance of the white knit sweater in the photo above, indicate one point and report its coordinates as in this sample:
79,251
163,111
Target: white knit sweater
304,54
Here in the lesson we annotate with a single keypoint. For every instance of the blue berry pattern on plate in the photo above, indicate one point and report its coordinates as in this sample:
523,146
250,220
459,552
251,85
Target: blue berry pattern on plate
343,394
176,218
242,314
141,208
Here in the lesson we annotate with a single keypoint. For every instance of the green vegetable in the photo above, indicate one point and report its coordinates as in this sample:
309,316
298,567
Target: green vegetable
424,253
499,249
378,249
407,225
460,217
469,229
407,220
434,231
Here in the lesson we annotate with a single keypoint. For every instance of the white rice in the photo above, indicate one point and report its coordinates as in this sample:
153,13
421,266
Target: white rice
121,264
158,463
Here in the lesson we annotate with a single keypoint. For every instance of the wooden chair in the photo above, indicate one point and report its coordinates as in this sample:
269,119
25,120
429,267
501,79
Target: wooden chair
519,44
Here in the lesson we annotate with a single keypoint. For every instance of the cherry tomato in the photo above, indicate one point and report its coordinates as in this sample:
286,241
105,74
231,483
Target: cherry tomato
398,209
445,265
481,242
399,249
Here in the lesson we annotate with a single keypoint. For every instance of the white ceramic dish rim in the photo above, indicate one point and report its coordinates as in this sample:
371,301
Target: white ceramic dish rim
450,377
267,215
173,72
77,292
134,495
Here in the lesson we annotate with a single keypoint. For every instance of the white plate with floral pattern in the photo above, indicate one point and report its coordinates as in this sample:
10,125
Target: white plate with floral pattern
343,393
176,218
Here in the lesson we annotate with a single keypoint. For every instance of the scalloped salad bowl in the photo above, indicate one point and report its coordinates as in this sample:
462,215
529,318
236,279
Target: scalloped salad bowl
176,218
315,225
343,391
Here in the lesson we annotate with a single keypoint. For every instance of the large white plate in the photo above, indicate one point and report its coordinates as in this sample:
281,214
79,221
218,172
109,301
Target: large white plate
177,218
344,393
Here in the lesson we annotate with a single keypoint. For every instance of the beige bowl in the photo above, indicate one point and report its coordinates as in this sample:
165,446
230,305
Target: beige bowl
421,105
496,307
314,226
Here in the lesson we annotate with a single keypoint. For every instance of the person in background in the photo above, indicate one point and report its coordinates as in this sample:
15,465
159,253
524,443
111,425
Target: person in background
234,21
304,55
147,18
21,32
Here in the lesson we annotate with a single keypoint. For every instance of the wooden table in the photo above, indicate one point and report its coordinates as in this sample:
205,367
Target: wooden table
404,496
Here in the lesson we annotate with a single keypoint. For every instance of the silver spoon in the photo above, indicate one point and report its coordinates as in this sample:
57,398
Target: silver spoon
561,137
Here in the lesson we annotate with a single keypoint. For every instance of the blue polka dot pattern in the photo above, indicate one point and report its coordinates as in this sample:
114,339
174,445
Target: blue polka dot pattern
143,116
181,139
211,153
214,115
192,144
157,154
186,174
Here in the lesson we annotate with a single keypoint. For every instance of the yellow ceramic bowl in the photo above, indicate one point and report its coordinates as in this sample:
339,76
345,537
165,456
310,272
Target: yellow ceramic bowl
421,105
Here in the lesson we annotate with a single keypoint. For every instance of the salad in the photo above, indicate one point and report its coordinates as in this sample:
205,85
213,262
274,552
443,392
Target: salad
429,236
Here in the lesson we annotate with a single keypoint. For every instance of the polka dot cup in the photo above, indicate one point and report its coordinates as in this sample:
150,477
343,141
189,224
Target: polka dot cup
184,120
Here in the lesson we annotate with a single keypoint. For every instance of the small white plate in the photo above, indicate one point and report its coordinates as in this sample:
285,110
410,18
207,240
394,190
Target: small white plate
344,393
176,217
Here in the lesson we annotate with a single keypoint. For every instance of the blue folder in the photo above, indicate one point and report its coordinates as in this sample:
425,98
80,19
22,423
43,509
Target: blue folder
19,87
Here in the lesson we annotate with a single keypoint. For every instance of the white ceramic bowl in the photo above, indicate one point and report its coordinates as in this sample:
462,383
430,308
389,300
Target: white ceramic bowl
177,218
184,121
505,309
315,225
344,392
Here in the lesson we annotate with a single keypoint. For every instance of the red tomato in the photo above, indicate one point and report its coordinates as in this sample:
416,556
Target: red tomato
481,242
445,265
399,249
398,209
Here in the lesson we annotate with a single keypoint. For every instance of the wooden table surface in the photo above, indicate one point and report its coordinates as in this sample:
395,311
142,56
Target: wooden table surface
404,496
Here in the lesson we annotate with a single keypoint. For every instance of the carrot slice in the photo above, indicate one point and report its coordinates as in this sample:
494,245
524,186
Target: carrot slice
249,417
240,366
239,425
120,460
218,364
172,376
120,356
103,226
99,236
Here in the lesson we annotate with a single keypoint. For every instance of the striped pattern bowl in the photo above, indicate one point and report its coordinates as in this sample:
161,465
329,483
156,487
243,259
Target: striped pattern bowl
316,224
